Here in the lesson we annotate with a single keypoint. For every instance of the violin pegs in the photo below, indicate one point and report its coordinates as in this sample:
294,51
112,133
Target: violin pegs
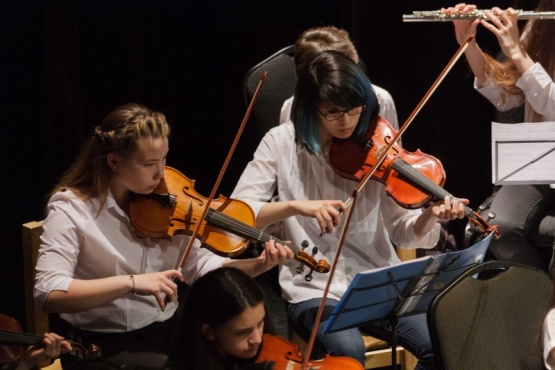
300,268
309,276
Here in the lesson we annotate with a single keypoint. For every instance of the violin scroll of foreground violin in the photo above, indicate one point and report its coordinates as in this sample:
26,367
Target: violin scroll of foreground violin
411,179
176,208
279,354
14,342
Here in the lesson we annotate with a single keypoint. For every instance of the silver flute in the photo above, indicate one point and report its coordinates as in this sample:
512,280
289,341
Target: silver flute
439,16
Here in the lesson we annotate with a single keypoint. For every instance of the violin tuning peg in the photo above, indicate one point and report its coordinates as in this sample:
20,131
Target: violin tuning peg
300,268
304,245
309,276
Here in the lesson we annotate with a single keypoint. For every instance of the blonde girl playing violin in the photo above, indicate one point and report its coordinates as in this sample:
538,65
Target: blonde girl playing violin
335,100
109,284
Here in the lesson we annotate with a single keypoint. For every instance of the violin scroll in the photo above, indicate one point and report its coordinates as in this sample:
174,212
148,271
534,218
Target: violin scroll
482,225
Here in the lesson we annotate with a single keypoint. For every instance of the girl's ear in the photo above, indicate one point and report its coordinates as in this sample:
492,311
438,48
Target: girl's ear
208,332
112,161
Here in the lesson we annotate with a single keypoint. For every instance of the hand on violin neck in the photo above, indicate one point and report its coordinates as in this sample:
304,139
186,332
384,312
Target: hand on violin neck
53,346
448,209
274,254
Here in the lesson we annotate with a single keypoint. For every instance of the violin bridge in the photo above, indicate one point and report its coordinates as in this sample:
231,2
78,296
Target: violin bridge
189,212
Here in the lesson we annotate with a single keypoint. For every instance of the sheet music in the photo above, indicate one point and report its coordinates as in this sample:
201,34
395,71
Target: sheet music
523,153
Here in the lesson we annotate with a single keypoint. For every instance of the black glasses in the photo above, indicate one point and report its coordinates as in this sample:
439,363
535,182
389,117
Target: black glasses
334,116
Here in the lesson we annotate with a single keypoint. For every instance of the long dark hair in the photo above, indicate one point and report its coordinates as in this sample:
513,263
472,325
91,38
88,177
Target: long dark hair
213,299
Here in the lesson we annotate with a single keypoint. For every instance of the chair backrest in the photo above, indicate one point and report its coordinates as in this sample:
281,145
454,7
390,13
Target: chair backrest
37,320
279,86
492,322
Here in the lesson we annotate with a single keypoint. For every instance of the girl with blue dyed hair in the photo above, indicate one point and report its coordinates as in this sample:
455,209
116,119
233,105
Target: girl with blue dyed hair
335,100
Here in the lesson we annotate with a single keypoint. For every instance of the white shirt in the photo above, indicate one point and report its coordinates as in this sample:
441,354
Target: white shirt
538,94
548,338
387,108
279,162
79,242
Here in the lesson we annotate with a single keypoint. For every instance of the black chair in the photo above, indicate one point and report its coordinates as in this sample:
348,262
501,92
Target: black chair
279,86
491,318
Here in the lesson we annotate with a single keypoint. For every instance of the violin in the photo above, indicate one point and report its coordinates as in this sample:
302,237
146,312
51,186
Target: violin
411,179
175,207
14,342
277,353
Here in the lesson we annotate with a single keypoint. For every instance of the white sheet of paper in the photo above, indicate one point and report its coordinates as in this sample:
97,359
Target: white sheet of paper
523,153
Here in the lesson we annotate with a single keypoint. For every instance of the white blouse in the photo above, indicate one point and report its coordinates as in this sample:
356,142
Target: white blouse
538,94
82,241
377,219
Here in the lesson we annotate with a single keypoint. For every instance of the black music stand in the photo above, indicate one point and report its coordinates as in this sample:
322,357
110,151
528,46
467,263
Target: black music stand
401,290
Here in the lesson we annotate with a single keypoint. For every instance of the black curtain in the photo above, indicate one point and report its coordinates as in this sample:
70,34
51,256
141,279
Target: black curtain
64,64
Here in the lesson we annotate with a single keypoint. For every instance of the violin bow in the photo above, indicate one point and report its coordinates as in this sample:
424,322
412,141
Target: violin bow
351,201
222,171
320,312
416,110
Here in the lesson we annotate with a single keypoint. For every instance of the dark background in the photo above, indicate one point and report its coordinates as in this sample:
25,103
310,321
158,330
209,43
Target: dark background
64,64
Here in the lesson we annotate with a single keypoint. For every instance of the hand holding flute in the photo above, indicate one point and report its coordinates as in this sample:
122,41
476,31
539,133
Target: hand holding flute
442,16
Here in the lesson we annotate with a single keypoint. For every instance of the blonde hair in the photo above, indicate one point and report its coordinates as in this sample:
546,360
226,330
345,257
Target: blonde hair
316,40
119,133
537,41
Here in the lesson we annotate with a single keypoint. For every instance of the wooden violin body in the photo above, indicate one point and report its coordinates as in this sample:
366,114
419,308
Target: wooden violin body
280,354
176,208
412,179
354,158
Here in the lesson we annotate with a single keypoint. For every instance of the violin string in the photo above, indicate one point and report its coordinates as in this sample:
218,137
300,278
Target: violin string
422,181
25,338
228,223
